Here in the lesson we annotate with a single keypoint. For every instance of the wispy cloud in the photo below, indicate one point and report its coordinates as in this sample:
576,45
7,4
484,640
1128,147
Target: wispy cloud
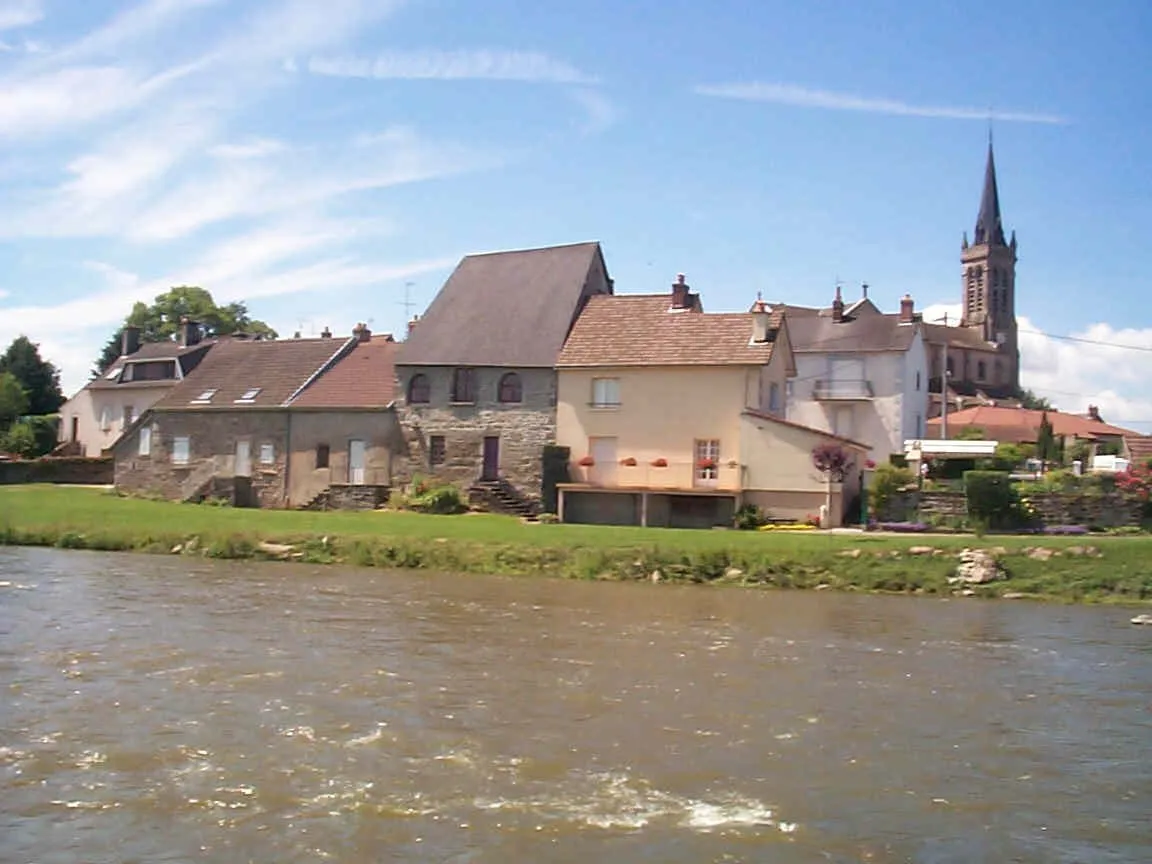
600,112
807,97
453,65
251,149
20,13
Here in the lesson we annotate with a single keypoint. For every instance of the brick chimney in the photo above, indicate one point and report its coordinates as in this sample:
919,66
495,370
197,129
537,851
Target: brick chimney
325,333
1094,414
761,321
838,307
680,295
189,332
907,309
129,340
361,332
412,324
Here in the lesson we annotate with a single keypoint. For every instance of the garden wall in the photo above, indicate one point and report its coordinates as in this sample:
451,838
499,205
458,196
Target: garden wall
71,470
1093,510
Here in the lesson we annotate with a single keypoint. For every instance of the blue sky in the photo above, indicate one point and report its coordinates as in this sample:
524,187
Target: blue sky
311,158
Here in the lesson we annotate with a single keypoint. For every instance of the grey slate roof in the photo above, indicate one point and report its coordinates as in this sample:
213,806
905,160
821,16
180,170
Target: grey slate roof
507,308
187,356
813,331
989,228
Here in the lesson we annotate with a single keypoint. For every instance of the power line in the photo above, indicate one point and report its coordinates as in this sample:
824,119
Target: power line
1084,341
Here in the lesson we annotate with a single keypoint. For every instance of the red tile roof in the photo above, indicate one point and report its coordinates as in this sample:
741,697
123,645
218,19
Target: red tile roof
1021,425
365,378
639,330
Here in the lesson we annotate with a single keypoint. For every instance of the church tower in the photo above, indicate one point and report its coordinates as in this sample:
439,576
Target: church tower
988,271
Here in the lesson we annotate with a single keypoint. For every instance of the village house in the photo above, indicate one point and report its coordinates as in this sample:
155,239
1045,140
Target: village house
477,372
860,373
676,417
277,423
95,418
1016,425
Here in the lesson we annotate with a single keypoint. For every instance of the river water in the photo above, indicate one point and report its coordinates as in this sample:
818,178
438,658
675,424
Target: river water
169,710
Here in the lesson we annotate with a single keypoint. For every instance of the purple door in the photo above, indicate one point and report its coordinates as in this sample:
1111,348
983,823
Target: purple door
491,469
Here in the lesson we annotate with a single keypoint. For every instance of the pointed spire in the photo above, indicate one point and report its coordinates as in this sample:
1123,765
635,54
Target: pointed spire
988,225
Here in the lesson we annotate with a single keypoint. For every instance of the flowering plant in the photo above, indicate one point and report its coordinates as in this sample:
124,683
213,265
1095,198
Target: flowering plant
587,462
660,463
706,464
870,464
628,461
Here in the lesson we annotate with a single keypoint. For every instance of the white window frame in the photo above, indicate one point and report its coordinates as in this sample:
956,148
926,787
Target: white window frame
267,453
105,419
706,448
181,450
605,392
145,440
204,398
249,396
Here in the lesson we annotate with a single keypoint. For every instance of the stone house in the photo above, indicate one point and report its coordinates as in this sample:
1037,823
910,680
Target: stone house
278,423
676,417
477,373
95,418
861,373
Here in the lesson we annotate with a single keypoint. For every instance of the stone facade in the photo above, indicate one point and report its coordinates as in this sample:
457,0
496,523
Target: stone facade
1109,510
521,429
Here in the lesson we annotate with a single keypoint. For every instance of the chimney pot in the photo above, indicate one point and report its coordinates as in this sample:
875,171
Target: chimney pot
864,290
412,324
761,320
325,333
907,309
189,332
680,294
838,306
361,332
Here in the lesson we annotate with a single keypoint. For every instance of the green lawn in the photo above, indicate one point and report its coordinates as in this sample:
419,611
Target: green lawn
73,517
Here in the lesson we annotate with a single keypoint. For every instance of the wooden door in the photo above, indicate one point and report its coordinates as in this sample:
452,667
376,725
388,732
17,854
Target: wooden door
491,466
243,464
357,458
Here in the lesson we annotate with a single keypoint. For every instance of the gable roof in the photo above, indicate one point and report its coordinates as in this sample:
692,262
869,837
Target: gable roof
1020,425
506,308
863,328
639,330
277,368
365,377
187,356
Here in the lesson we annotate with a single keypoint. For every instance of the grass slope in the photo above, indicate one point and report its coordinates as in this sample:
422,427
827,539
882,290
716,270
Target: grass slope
85,518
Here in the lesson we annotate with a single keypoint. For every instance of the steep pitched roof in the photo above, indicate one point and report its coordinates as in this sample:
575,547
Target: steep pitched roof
967,338
813,331
275,369
639,330
363,378
506,308
1021,425
988,225
187,356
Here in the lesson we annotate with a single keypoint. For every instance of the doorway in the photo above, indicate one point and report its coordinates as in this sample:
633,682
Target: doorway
491,466
243,464
603,453
357,453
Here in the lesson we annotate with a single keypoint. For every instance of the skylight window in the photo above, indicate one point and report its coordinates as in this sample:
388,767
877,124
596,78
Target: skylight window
204,398
113,375
250,395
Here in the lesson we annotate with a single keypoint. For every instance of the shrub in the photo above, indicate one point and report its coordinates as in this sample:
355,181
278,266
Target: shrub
20,440
749,517
887,483
992,499
440,500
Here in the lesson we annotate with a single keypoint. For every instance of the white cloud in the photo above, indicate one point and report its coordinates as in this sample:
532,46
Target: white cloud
251,149
1099,365
453,65
20,13
600,113
807,97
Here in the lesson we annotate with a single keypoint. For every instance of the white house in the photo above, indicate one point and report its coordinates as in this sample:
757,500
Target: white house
860,373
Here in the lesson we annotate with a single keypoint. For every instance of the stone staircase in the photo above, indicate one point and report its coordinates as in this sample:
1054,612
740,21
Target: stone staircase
322,500
198,485
500,496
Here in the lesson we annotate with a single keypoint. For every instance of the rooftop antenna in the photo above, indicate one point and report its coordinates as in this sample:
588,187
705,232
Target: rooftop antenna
407,302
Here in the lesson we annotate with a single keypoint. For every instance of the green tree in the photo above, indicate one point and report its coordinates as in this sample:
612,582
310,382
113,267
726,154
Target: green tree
970,433
1030,400
161,320
39,378
1047,447
13,400
20,441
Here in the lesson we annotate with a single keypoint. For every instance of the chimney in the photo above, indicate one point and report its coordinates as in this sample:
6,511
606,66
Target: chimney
907,309
838,307
1094,414
189,332
864,290
325,333
680,293
412,324
761,319
129,340
361,332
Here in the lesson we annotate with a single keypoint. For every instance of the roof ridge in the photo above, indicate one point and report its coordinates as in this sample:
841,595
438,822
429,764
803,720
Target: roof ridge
532,249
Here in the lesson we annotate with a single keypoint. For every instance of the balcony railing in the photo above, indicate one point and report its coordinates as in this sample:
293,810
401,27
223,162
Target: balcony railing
727,476
842,389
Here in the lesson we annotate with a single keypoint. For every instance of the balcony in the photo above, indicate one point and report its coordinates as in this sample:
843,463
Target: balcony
842,390
679,476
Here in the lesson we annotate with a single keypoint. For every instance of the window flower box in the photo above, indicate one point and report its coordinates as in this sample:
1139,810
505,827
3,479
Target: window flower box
628,462
732,463
706,464
660,463
586,462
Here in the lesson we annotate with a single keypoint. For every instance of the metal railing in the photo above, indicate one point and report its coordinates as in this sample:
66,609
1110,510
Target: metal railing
842,388
677,474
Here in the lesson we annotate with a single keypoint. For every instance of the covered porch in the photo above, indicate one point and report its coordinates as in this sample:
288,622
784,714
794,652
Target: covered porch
644,506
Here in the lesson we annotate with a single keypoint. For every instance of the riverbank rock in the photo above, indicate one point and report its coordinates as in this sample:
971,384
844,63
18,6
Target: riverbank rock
1040,553
849,553
921,550
276,550
977,567
1142,619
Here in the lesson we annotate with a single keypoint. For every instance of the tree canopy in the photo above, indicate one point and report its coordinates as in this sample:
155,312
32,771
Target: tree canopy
1030,400
13,400
39,379
160,321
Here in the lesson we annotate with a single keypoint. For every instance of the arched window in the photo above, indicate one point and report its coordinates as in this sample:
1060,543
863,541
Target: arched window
981,370
419,390
510,389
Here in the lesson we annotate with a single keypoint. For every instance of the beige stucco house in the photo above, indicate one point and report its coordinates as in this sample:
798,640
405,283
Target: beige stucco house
675,417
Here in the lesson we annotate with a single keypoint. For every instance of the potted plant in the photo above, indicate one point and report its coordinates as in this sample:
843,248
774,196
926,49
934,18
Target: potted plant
628,461
732,463
706,464
586,462
660,463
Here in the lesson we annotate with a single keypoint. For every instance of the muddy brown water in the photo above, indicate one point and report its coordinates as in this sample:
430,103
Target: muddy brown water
166,710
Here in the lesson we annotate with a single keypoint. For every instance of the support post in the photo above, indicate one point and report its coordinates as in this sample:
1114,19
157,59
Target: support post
560,505
643,509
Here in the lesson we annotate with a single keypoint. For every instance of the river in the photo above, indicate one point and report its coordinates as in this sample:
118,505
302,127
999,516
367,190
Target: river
168,709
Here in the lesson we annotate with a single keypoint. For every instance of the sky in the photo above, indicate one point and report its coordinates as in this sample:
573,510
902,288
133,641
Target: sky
330,162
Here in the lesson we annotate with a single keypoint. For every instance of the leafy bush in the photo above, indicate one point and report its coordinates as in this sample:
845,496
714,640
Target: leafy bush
749,517
887,483
422,497
992,499
20,440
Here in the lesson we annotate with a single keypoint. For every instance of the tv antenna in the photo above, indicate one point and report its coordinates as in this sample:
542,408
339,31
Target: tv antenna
408,302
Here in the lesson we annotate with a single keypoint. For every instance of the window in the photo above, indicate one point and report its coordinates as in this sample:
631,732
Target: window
773,398
951,367
249,396
917,380
204,398
267,454
114,374
419,390
511,390
150,370
605,392
323,453
181,448
707,460
464,385
145,441
105,419
981,369
437,450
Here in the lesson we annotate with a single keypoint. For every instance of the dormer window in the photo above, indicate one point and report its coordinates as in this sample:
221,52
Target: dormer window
249,396
204,398
114,374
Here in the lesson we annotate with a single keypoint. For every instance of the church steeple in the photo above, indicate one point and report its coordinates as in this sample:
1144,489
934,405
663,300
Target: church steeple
989,228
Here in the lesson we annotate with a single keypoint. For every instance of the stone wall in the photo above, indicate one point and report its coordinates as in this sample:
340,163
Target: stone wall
342,496
523,429
77,471
1108,510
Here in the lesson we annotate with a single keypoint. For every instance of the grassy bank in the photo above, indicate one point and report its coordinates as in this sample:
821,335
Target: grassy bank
1078,569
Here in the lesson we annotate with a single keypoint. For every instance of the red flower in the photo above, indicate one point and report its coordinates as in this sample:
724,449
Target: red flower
706,464
587,462
871,463
628,461
660,463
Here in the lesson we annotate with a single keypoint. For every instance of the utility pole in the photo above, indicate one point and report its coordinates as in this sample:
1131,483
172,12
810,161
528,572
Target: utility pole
944,383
